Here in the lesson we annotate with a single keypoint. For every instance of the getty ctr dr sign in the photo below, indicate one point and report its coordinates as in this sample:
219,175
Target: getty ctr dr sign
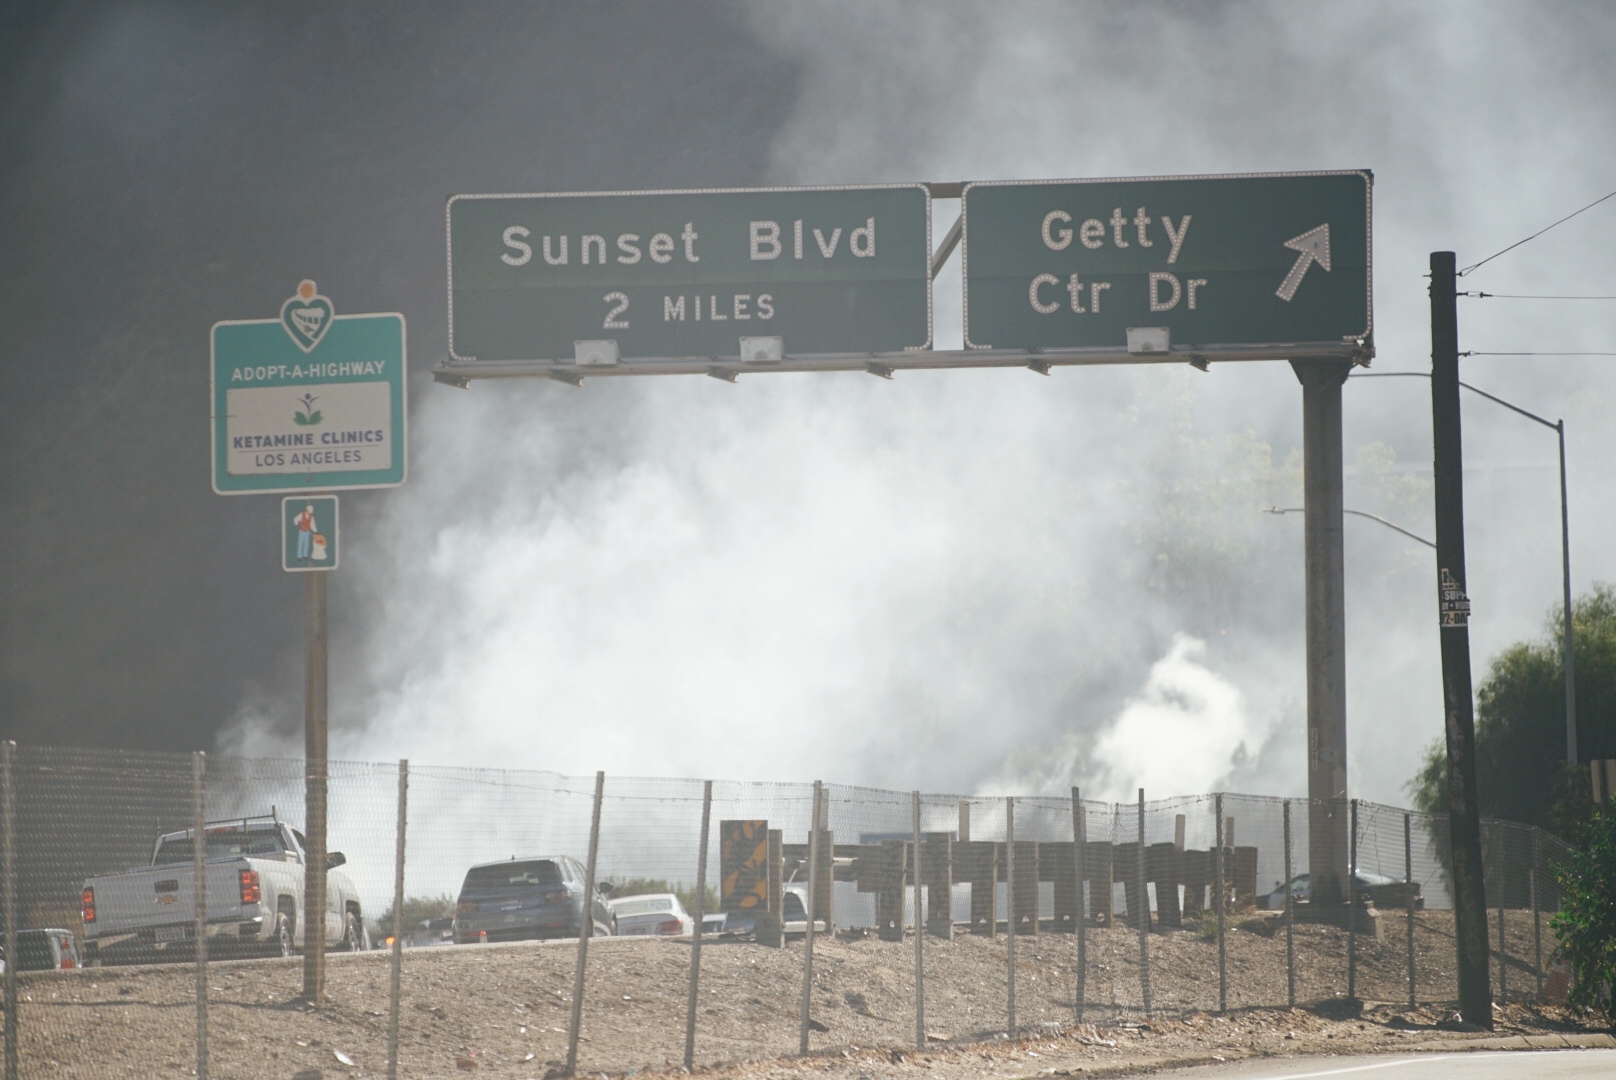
1227,260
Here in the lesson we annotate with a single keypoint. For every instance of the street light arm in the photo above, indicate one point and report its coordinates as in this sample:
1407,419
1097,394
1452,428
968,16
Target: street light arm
1359,513
1512,408
1467,386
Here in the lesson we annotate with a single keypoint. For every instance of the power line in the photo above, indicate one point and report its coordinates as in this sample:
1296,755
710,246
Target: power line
1538,354
1535,235
1523,296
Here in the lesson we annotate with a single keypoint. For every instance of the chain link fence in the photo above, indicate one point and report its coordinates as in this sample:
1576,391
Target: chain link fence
542,924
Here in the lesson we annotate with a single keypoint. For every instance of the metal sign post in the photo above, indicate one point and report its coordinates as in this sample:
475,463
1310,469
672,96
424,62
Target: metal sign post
310,400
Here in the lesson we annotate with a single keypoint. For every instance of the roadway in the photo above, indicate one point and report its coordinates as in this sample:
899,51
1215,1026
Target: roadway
1480,1065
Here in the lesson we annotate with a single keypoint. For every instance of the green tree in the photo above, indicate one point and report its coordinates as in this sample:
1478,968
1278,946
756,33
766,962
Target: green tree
1586,922
1521,774
416,910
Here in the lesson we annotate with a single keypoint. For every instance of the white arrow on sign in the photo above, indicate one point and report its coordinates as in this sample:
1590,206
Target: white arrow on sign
1314,246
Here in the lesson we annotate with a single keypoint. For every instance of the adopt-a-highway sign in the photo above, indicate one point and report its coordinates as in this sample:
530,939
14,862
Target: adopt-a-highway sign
312,400
1266,259
677,274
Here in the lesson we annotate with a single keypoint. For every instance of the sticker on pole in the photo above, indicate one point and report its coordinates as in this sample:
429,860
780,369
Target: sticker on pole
312,399
308,533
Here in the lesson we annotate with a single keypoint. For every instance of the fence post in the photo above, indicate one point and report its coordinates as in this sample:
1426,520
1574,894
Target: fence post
586,927
1078,840
1408,880
1352,906
199,897
398,921
8,882
1503,957
920,938
808,941
1537,929
1144,910
701,911
1217,900
1010,906
1290,917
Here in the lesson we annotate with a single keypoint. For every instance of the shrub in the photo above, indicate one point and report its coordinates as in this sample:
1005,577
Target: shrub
1586,922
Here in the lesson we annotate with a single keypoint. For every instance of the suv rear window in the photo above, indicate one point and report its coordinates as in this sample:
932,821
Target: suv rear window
512,874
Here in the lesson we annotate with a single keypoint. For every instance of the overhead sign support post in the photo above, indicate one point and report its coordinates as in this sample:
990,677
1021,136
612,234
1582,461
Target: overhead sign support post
310,402
1187,269
1196,268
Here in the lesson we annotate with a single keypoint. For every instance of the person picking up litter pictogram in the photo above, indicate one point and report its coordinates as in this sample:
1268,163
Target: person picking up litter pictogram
305,532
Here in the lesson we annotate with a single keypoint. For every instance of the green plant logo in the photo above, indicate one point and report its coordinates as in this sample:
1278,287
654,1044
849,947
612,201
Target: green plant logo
309,415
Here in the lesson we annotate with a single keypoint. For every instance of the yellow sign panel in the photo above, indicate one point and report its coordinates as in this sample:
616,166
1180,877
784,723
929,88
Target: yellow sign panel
744,861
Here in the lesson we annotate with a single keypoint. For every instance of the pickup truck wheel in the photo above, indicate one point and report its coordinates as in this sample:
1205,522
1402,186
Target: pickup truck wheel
281,942
351,940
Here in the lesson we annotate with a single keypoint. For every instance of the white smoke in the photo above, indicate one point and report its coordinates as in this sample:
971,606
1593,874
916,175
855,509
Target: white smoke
1185,732
931,581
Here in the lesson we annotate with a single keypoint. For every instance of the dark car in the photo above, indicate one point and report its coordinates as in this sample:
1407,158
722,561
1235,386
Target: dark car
1381,891
540,897
44,950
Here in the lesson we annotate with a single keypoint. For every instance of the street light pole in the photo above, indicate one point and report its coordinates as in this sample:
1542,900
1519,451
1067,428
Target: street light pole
1565,566
1567,657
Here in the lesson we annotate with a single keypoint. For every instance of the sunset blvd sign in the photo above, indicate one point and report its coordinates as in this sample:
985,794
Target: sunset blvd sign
1216,260
592,278
311,401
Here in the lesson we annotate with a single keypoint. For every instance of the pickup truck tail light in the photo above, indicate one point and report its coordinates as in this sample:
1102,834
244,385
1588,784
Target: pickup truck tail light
67,960
251,892
87,902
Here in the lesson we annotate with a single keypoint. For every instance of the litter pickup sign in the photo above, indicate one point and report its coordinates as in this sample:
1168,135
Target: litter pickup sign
309,533
689,273
311,400
1219,260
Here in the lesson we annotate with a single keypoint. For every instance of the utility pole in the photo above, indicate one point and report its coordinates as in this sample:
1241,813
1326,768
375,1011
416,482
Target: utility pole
1464,818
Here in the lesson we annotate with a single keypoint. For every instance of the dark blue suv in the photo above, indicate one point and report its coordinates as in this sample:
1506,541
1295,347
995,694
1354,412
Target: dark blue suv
540,897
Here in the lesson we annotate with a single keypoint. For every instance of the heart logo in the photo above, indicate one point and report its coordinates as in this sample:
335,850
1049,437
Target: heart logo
307,316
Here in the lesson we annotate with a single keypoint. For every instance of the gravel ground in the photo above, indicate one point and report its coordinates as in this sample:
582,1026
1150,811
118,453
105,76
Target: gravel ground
504,1008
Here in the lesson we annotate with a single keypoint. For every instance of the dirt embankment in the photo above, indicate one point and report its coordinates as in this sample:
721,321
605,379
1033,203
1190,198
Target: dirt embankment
504,1009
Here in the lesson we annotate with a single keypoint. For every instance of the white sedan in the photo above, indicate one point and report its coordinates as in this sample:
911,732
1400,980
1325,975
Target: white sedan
651,915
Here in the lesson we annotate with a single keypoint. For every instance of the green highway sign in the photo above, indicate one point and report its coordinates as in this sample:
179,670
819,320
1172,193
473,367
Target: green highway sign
311,400
1267,259
591,278
309,533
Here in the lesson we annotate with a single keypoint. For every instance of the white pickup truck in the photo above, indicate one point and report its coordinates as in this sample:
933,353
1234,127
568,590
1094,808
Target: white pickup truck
254,872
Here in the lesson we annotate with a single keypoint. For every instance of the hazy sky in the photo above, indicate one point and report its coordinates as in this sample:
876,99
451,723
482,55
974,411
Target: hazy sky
962,581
